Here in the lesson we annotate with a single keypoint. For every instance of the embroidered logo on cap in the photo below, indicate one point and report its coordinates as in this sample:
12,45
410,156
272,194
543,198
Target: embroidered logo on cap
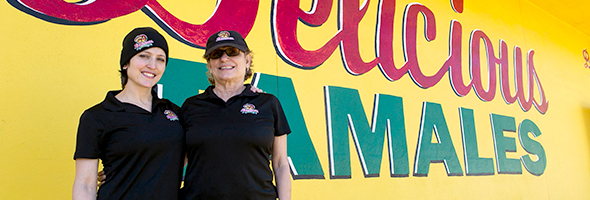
171,115
249,108
141,41
223,35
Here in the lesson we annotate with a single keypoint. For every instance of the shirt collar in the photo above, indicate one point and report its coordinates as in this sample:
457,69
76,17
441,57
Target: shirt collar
113,104
156,100
209,94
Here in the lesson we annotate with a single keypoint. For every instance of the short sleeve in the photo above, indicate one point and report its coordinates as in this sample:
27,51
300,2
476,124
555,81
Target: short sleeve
281,124
90,130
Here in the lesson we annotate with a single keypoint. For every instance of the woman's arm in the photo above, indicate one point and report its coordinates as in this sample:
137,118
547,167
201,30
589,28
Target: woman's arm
85,181
280,166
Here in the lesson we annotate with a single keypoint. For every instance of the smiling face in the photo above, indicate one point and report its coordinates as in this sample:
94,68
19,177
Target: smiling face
145,69
230,68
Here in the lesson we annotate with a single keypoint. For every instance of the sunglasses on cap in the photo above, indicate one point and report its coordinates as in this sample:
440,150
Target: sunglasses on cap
229,51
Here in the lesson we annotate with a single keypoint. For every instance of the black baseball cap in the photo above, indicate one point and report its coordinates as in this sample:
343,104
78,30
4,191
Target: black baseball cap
225,38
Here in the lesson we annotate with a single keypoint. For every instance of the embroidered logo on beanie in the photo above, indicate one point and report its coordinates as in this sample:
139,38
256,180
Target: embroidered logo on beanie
141,41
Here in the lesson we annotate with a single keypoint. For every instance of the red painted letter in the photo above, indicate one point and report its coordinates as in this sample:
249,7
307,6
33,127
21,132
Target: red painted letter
237,15
61,12
409,40
285,14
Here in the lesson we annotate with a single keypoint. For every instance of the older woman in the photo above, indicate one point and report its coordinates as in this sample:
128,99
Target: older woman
137,136
231,132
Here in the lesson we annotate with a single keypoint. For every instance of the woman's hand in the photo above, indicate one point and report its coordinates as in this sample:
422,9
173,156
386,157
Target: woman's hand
101,177
256,90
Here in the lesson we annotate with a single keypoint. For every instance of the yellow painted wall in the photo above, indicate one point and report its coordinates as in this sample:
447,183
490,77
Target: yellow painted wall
51,73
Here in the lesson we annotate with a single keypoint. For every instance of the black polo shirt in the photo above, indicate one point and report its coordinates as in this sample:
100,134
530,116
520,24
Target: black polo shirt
142,152
229,145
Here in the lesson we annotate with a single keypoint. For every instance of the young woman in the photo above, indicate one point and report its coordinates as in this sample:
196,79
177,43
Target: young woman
137,136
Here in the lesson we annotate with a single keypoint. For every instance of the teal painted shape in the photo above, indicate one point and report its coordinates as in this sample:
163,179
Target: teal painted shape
339,103
474,165
183,79
389,112
433,121
345,110
504,144
300,149
533,147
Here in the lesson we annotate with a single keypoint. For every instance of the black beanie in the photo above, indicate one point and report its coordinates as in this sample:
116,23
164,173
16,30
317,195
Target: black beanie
140,39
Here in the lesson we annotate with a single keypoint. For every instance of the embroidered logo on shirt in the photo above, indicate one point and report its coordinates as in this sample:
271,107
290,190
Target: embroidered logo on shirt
249,108
171,115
